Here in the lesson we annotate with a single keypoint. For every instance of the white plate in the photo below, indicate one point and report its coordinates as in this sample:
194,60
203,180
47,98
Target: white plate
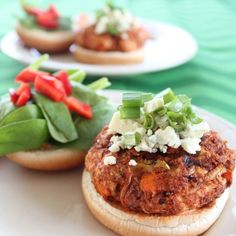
51,204
171,46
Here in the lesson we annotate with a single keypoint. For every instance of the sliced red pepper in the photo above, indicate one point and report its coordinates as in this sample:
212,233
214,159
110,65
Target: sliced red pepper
23,87
47,20
28,75
50,86
24,97
64,78
34,11
13,95
53,11
20,96
81,108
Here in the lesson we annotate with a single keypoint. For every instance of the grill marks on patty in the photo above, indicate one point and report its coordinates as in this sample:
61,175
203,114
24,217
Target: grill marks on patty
193,181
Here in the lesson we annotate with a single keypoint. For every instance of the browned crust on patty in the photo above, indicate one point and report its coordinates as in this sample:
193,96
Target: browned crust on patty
193,181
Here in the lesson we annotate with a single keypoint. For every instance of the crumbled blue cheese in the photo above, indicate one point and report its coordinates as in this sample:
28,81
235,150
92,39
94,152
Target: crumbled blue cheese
168,137
101,25
132,162
121,19
191,145
153,104
121,126
195,131
159,139
109,160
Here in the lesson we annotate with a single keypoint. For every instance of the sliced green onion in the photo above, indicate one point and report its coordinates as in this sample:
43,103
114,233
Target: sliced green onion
129,112
190,115
132,138
132,100
184,99
76,75
167,94
195,119
149,121
160,111
175,105
177,121
39,62
147,97
100,84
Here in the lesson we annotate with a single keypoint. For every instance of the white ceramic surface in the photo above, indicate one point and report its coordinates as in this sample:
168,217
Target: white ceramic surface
171,46
35,203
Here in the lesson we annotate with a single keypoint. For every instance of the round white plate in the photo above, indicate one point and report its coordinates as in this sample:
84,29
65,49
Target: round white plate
51,204
171,46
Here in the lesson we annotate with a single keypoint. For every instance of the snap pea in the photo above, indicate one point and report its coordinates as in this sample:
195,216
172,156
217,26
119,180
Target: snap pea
23,136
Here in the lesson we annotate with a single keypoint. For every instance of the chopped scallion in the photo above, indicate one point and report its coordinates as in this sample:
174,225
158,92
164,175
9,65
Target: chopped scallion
160,111
149,121
132,138
175,105
147,97
132,100
195,119
129,112
177,121
167,94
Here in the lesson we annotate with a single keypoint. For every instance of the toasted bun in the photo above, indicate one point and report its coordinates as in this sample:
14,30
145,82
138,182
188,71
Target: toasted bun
48,160
46,41
94,57
129,224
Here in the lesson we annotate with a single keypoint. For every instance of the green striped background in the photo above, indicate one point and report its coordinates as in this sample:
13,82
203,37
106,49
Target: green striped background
210,78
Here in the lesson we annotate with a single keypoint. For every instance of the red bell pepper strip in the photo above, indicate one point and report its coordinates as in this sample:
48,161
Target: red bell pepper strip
51,87
28,75
47,20
64,78
24,97
53,11
79,107
21,96
13,95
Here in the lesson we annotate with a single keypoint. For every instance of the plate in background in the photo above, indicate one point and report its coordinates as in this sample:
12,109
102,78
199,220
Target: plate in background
171,46
40,203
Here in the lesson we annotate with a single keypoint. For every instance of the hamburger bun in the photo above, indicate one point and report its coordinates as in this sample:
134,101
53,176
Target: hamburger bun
48,160
129,224
45,41
115,57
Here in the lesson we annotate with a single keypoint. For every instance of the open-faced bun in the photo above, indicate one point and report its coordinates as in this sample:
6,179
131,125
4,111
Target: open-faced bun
45,41
49,160
129,224
115,57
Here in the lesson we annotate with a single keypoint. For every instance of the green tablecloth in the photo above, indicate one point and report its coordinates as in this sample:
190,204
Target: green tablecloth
210,78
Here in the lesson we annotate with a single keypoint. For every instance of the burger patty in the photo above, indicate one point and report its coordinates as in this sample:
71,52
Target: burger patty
106,42
162,184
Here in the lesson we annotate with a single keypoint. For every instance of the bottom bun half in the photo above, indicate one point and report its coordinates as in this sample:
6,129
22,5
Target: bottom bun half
129,224
48,160
46,41
94,57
